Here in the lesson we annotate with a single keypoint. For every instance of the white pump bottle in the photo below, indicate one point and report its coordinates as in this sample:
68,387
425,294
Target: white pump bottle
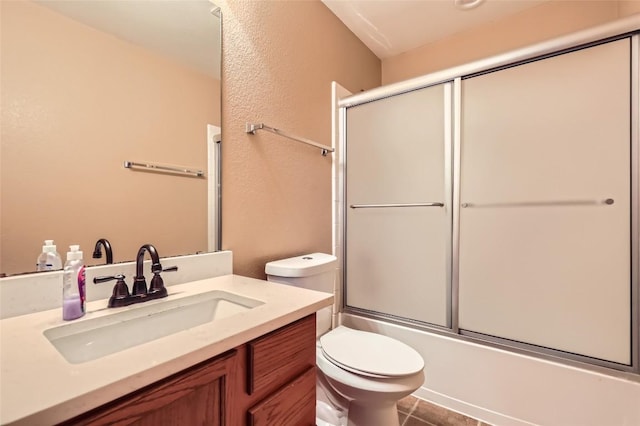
49,259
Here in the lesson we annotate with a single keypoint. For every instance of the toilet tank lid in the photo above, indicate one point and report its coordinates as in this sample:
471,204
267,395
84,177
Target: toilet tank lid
301,266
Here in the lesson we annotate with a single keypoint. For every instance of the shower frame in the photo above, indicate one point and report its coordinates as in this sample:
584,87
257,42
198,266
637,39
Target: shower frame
624,28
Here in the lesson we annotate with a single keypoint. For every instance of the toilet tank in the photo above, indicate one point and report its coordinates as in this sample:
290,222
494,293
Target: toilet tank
316,271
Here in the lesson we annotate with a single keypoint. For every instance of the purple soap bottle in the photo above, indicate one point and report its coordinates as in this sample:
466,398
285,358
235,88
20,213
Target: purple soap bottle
73,284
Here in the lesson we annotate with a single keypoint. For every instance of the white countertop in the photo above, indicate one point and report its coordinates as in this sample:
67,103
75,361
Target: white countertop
39,387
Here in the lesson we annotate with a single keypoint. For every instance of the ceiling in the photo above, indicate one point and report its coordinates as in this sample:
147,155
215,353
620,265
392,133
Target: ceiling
391,27
183,30
186,31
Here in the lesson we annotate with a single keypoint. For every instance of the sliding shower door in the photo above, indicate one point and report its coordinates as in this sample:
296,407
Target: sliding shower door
502,205
398,216
545,203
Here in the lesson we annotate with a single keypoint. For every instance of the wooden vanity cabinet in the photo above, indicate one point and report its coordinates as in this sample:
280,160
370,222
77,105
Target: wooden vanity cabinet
268,381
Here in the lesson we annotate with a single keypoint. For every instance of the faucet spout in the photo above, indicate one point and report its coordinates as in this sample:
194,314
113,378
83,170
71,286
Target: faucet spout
97,252
139,282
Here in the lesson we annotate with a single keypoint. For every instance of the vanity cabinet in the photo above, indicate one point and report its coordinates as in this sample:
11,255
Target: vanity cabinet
268,381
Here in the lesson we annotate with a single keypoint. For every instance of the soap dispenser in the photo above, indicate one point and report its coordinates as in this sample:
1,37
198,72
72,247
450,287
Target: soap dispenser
49,259
73,285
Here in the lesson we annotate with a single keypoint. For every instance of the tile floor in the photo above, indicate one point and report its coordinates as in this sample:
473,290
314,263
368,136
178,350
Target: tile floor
417,412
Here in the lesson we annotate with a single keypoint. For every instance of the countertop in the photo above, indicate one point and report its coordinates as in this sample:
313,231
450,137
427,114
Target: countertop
39,387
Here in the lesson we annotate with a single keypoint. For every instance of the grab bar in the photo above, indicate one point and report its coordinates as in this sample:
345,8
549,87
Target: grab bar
607,201
251,129
377,206
161,168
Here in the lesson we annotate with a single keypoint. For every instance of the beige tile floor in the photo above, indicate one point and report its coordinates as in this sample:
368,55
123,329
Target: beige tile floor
417,412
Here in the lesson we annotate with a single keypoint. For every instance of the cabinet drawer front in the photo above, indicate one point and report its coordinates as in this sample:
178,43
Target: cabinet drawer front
293,405
281,355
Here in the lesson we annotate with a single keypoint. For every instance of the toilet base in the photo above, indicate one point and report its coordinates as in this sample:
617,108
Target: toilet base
331,408
326,415
373,414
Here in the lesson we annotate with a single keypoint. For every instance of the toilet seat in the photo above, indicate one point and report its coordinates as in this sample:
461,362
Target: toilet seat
370,354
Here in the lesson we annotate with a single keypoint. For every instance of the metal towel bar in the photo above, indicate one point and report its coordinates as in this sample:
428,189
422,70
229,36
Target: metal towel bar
377,206
252,128
607,201
161,168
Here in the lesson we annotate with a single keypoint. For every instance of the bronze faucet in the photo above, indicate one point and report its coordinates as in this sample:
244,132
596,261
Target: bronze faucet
97,253
157,290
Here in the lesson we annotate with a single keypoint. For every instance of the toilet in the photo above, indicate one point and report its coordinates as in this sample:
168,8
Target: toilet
361,373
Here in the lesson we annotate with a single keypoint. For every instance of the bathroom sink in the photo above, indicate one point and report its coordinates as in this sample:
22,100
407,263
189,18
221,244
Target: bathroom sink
91,339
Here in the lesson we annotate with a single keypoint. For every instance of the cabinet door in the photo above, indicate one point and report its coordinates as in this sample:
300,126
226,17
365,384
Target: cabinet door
292,405
196,396
276,384
543,259
397,257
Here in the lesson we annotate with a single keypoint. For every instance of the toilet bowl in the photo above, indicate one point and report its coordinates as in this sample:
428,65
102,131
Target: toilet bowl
366,371
371,371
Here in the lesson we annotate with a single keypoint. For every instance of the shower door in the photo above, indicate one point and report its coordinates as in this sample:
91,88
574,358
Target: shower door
398,215
545,203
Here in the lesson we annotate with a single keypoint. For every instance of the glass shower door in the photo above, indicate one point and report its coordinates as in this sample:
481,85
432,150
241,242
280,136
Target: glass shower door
545,216
398,207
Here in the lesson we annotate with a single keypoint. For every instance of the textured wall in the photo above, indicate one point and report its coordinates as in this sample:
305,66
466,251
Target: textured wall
76,103
549,20
279,58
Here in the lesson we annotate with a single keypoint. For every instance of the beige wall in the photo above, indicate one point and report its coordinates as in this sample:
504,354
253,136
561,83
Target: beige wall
279,60
76,103
549,20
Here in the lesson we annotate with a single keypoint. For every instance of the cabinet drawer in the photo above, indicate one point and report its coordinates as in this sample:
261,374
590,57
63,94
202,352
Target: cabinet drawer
277,357
292,405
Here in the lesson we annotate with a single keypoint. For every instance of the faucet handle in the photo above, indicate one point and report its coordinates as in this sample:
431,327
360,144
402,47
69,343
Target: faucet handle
156,286
120,295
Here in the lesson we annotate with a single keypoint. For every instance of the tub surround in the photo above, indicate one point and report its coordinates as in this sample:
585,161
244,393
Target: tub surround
511,389
40,387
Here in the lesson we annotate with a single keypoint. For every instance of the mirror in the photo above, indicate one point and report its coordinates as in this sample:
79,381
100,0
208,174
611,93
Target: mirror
90,84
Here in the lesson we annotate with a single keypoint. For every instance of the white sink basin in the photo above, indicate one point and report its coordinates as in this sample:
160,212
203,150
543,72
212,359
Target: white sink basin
90,339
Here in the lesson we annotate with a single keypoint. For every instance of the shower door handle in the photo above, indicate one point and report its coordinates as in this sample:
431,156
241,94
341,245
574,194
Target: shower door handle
561,203
377,206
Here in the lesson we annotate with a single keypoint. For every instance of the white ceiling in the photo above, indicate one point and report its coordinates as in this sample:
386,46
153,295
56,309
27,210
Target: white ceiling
184,30
187,31
391,27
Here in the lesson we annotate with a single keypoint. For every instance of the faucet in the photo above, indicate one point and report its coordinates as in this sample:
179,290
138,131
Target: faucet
97,253
121,295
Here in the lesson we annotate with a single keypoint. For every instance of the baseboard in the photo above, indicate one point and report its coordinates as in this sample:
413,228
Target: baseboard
480,413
